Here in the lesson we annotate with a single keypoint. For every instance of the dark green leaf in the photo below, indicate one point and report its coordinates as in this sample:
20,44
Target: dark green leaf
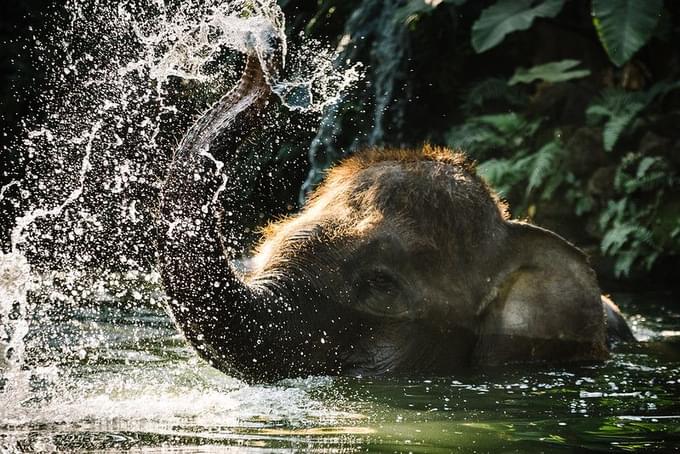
624,26
557,71
507,16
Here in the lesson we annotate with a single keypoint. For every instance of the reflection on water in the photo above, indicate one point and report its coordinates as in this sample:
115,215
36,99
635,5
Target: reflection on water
121,378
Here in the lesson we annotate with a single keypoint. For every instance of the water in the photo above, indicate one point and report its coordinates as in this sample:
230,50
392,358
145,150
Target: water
91,361
133,383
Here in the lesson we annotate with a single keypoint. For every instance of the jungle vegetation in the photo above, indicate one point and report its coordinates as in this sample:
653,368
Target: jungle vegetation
570,108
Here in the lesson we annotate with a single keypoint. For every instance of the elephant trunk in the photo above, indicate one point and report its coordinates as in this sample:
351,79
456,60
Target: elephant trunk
233,325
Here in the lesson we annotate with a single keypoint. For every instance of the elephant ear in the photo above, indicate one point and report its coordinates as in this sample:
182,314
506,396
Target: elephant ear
544,304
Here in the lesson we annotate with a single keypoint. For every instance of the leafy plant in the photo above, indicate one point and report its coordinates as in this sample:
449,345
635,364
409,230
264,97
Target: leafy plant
557,71
542,169
652,172
629,242
619,107
632,229
624,26
507,16
629,224
498,133
535,171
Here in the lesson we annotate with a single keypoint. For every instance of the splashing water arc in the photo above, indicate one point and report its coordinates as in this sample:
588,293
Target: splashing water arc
97,160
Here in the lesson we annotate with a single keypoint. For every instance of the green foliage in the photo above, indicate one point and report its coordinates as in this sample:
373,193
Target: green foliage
619,108
542,169
502,174
627,241
557,71
635,224
624,26
507,16
640,218
636,227
535,171
481,135
510,137
653,172
484,134
625,237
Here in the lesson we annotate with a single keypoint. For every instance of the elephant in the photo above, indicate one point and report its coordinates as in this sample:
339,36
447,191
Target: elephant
402,261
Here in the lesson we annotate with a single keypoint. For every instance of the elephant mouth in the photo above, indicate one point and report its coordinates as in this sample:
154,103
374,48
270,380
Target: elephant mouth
408,348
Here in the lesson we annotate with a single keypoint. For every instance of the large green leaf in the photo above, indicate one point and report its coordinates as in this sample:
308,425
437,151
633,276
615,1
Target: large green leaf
624,26
507,16
557,71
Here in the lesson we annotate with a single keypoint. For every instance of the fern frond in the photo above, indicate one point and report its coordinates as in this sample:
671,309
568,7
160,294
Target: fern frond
618,122
624,263
502,174
619,108
475,138
643,173
615,210
544,163
640,248
498,132
615,238
494,170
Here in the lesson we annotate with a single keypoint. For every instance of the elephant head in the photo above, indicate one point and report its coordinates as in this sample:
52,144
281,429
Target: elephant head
402,261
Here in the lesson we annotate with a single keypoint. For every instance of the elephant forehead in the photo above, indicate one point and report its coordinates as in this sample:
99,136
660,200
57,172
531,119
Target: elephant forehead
426,203
410,185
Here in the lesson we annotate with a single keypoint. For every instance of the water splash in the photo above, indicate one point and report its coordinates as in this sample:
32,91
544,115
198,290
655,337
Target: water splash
15,282
374,31
6,188
131,77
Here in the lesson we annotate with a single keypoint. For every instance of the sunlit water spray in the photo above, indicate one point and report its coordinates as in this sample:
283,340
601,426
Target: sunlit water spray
96,163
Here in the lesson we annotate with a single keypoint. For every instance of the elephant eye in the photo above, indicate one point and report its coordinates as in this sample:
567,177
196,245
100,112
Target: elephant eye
381,282
380,294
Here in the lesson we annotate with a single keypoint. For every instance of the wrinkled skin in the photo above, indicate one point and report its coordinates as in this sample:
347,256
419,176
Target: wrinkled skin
403,261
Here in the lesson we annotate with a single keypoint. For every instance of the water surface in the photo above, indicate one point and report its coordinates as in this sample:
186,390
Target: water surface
123,379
